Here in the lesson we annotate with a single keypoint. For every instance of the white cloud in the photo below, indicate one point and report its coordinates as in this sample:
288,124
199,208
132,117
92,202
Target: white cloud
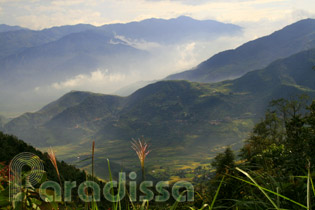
41,14
97,79
66,3
187,56
201,2
301,14
139,44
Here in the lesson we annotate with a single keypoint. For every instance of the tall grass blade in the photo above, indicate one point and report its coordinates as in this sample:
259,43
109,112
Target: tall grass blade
216,194
94,204
115,206
270,191
308,187
132,205
93,146
258,186
312,185
145,205
278,199
174,206
203,207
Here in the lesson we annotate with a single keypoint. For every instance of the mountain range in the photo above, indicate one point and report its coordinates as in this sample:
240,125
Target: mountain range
36,62
183,121
6,28
253,55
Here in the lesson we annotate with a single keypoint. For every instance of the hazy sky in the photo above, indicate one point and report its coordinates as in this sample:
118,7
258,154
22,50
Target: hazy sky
38,14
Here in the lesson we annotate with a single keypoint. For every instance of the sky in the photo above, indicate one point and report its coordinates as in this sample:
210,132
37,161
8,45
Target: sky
39,14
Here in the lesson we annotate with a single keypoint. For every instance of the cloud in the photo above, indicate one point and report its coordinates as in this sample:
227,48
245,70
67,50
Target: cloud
97,79
198,2
57,16
187,56
66,3
101,81
302,14
188,2
42,14
138,44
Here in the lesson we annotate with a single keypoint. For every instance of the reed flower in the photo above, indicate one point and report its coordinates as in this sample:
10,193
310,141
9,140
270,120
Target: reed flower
141,148
53,160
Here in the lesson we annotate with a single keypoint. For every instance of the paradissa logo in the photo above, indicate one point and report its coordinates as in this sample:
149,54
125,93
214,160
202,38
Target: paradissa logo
37,172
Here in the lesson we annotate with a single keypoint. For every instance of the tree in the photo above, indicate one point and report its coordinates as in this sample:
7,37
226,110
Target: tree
283,138
265,142
223,162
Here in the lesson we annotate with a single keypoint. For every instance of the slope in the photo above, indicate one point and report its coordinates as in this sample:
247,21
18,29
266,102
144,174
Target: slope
5,28
253,55
184,121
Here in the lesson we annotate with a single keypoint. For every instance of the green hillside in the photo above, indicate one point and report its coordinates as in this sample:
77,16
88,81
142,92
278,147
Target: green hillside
11,146
184,122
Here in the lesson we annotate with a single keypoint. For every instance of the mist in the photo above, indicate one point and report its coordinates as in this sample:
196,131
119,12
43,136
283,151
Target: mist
120,66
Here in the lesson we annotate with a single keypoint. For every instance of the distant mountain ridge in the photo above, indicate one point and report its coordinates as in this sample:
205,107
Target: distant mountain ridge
14,42
5,28
178,117
254,54
172,30
73,54
35,60
158,30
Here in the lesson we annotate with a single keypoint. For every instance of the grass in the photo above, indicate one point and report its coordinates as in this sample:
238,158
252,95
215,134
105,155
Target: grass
199,148
162,161
273,197
265,190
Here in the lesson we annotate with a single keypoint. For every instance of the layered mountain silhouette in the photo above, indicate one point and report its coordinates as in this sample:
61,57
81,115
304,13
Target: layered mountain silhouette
73,54
32,60
182,120
187,116
6,28
253,55
173,30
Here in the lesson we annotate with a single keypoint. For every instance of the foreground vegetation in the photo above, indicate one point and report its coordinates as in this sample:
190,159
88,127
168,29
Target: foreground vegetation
274,169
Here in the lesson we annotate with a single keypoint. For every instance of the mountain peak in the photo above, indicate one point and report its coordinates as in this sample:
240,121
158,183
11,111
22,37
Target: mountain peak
184,17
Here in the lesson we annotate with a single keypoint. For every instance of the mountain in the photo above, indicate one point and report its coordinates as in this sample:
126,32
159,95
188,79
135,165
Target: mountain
3,121
253,55
173,30
5,28
31,122
10,146
48,62
129,89
74,54
182,120
14,42
157,30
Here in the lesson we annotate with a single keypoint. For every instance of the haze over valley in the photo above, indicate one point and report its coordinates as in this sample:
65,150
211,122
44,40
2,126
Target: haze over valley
198,116
217,97
40,66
